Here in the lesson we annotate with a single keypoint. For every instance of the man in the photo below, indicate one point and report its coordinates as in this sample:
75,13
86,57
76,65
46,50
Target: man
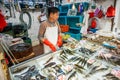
49,32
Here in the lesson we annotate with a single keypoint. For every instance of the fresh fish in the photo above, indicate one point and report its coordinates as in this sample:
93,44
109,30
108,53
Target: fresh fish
19,77
79,60
58,69
85,51
76,65
74,59
49,64
72,75
78,68
48,60
91,71
95,71
62,60
18,70
109,76
63,57
68,52
83,61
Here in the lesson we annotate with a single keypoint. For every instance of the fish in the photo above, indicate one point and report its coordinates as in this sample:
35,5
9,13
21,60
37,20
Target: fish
67,51
63,57
76,65
92,69
95,71
48,60
83,61
73,59
109,76
18,70
79,60
49,64
62,60
19,77
79,68
86,51
58,69
72,75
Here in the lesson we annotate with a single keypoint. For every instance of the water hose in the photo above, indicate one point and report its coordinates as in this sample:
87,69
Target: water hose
22,21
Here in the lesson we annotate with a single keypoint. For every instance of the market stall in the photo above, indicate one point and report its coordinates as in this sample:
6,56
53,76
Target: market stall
59,40
77,60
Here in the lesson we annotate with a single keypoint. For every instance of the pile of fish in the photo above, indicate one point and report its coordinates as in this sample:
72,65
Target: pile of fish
27,73
76,64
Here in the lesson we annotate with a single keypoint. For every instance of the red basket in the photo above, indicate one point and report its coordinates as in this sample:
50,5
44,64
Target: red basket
64,28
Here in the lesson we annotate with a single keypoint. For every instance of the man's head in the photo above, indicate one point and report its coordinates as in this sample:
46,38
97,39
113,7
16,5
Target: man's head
53,13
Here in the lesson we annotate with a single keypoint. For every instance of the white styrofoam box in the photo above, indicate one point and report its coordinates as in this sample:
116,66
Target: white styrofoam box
105,24
35,43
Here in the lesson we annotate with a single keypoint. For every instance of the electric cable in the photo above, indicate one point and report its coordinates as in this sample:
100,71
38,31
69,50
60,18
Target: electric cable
30,19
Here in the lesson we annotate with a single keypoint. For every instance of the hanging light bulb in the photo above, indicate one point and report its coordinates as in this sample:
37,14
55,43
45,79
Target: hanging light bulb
73,7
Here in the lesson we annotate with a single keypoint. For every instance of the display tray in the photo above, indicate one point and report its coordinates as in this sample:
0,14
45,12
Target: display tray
25,58
37,62
68,64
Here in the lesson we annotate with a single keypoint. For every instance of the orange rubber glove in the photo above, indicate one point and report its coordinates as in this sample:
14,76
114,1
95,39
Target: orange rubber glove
59,42
48,43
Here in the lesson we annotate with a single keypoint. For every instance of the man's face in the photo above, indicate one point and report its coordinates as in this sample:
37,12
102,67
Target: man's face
54,16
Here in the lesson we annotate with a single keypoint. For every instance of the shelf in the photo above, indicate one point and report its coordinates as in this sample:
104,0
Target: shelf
75,28
77,36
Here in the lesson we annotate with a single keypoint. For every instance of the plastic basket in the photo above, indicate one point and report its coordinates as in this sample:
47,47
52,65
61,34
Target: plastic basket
64,28
65,8
63,14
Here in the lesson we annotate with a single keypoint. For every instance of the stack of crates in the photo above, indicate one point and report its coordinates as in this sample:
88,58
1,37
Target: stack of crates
74,31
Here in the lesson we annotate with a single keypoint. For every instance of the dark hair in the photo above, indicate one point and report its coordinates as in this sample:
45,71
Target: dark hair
52,10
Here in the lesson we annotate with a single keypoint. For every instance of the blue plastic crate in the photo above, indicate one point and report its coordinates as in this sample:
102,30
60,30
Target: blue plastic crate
77,36
74,30
59,7
63,14
65,8
93,30
62,20
72,20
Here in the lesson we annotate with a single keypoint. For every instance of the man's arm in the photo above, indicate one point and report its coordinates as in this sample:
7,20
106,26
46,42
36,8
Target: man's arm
41,31
59,42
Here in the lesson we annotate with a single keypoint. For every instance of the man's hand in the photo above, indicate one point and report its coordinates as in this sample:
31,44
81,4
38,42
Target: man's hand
59,42
48,43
